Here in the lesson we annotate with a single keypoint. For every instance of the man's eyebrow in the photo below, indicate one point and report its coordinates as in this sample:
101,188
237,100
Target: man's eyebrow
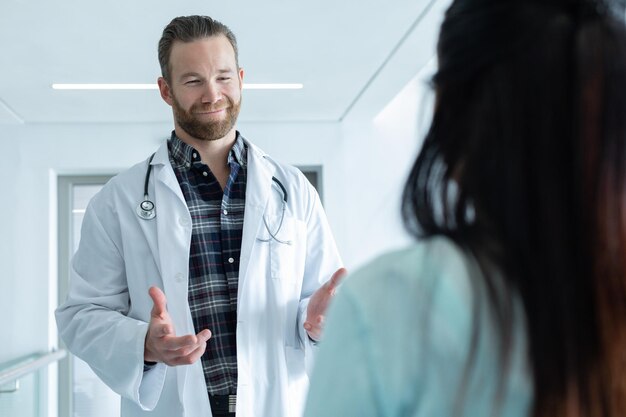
189,74
196,74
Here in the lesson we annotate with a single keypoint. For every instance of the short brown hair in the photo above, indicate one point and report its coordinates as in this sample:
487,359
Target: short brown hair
188,29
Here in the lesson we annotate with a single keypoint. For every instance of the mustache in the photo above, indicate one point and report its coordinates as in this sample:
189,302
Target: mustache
204,109
201,107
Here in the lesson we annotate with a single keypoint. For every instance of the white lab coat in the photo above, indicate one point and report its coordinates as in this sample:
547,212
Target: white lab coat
105,317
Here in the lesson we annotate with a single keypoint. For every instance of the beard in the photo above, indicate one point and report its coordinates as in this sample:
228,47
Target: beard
207,131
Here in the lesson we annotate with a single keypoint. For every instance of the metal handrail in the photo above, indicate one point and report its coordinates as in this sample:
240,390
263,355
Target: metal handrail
31,364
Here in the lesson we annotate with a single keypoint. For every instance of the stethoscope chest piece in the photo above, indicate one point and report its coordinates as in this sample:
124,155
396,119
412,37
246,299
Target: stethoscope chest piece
146,210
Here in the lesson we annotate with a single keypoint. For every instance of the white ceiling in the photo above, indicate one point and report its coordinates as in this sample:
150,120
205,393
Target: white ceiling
352,56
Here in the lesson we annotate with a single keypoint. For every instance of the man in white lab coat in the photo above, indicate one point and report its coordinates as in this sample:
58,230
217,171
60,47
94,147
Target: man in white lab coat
203,274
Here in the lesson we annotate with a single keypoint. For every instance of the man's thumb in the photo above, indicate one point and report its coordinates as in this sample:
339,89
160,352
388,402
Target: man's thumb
159,300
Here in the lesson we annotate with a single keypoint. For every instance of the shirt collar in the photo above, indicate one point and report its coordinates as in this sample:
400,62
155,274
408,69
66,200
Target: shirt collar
239,152
183,153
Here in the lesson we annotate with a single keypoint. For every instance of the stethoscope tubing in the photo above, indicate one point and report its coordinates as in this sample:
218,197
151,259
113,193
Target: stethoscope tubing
273,236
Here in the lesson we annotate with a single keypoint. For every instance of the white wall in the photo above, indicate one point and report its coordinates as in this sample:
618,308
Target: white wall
378,155
10,285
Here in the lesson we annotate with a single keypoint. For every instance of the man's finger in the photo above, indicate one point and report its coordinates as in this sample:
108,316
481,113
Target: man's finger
205,335
336,278
201,339
195,355
160,302
189,354
189,358
179,342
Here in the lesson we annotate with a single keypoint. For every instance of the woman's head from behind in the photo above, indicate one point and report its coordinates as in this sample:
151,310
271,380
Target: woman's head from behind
525,165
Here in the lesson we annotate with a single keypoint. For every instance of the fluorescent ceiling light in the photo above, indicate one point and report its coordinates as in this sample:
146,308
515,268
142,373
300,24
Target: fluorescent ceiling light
105,86
155,87
273,86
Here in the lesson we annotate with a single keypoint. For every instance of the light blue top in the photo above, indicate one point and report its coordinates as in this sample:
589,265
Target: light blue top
398,339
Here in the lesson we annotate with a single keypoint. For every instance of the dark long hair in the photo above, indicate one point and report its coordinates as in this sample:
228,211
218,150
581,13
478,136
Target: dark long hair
524,166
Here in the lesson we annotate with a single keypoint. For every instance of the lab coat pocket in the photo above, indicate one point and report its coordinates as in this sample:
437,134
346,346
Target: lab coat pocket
282,248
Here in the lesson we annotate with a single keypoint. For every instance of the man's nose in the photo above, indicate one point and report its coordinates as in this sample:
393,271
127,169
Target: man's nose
212,93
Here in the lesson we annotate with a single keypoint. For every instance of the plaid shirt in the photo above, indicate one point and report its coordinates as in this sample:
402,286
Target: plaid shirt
217,218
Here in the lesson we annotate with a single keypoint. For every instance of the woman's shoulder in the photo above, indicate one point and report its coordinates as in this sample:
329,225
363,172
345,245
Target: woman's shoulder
421,263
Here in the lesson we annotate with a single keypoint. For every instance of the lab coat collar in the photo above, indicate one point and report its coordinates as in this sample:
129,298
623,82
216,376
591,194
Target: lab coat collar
258,189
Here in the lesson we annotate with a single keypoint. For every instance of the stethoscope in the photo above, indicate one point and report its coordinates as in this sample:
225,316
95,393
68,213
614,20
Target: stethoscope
282,217
147,210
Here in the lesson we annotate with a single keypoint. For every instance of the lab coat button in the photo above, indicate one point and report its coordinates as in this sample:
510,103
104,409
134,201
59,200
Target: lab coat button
179,277
183,221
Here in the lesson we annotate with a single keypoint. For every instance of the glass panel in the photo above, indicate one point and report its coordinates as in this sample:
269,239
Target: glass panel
81,194
91,397
24,402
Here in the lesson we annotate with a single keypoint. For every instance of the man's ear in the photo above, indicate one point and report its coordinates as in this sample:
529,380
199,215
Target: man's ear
241,78
164,89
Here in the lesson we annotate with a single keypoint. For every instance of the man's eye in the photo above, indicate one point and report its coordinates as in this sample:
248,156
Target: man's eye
190,82
224,78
